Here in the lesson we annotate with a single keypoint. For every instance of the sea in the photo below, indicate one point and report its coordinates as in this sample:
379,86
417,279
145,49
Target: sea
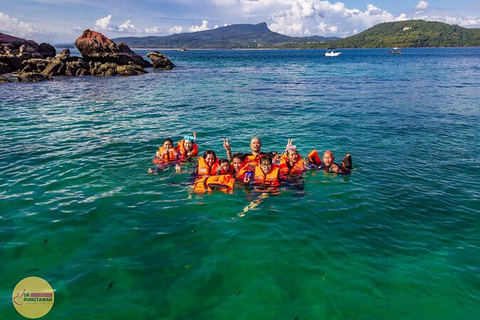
398,238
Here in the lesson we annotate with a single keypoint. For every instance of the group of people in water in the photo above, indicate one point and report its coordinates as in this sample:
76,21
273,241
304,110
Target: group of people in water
267,169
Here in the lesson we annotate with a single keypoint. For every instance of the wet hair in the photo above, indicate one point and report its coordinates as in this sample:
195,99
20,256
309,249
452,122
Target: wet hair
272,154
168,139
266,158
206,153
240,156
220,161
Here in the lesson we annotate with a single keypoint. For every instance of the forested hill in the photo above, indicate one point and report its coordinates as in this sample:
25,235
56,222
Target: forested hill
234,36
412,33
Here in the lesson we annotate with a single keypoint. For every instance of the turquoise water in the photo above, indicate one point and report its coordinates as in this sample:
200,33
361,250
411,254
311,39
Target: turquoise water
396,239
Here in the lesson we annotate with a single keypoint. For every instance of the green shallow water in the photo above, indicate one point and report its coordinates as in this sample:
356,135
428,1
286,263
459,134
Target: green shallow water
396,239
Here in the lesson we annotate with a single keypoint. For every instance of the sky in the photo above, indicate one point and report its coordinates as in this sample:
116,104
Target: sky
62,21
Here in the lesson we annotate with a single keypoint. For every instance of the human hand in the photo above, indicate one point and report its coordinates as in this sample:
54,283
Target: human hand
226,144
334,168
289,143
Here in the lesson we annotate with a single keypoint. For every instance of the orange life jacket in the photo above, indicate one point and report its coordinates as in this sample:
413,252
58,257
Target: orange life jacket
248,165
204,169
270,178
285,168
347,163
181,149
223,183
314,157
166,157
221,171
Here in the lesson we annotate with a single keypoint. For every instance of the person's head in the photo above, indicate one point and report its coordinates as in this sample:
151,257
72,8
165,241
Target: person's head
266,164
328,158
255,145
292,155
167,144
237,162
224,165
188,145
210,157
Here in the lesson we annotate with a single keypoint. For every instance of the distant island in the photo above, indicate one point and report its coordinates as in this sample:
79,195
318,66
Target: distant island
410,33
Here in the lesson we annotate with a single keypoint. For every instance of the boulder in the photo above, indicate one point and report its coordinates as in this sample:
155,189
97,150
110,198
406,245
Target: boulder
13,51
95,47
160,61
47,50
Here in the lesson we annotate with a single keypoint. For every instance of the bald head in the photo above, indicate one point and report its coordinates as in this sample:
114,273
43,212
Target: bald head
255,145
328,158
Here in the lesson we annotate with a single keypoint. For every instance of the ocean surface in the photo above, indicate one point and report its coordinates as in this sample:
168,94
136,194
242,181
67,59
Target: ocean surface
398,238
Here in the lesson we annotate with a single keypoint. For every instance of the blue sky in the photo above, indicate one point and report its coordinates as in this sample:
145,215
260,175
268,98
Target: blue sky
57,21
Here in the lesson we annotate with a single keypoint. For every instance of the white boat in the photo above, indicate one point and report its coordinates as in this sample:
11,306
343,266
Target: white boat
332,53
395,50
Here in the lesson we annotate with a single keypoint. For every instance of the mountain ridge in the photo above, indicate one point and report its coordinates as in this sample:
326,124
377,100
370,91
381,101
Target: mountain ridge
408,33
233,36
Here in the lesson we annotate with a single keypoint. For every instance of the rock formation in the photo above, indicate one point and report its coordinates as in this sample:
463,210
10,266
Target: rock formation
13,51
160,61
96,47
25,60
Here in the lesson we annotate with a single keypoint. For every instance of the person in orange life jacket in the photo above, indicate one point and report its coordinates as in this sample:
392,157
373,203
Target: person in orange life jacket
265,173
207,165
236,166
223,167
291,163
328,163
166,154
187,147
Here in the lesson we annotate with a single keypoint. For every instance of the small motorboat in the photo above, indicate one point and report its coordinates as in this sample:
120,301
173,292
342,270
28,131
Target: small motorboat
332,53
395,50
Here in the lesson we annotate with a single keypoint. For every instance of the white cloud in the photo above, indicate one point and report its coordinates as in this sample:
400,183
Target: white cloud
14,27
105,24
153,30
127,26
422,5
325,17
176,29
203,27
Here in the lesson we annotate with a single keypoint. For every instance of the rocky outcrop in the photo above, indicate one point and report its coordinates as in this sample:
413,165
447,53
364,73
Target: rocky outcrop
13,51
96,47
160,61
24,60
65,65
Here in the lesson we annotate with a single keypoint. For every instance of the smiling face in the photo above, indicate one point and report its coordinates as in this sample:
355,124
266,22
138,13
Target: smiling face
328,158
265,164
255,145
188,145
292,156
210,159
167,145
225,166
237,164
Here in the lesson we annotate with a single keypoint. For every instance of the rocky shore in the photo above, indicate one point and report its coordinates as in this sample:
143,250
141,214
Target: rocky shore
24,60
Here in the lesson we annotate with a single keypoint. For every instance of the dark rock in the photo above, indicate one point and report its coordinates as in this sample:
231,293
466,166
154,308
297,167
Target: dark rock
4,68
24,77
34,65
13,51
33,77
95,47
47,50
160,61
65,65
